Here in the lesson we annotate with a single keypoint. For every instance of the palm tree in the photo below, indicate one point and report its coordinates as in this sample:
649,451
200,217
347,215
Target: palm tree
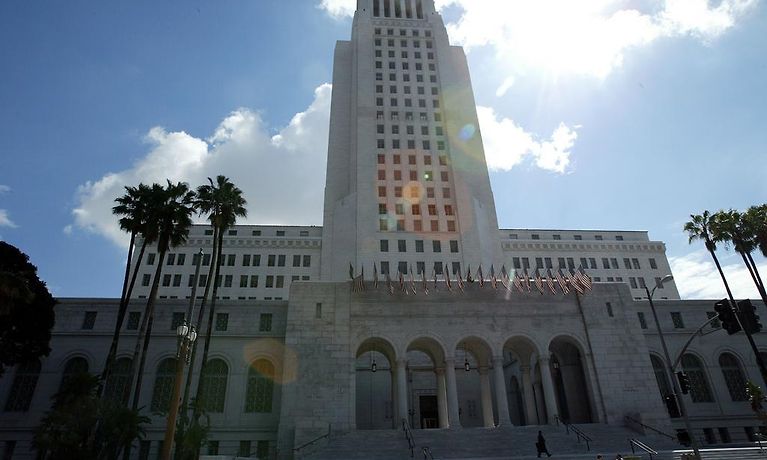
170,216
733,227
699,228
757,217
223,202
133,207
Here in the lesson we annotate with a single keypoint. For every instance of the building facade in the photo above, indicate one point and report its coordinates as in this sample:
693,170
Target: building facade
297,350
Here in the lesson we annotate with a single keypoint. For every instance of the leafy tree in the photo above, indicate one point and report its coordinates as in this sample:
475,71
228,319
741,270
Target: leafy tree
81,425
133,207
736,228
757,399
26,309
700,228
223,202
757,216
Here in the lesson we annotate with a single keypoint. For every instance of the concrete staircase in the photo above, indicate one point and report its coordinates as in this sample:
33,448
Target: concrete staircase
505,443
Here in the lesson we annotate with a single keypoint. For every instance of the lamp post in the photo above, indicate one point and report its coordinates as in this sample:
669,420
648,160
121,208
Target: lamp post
674,383
186,334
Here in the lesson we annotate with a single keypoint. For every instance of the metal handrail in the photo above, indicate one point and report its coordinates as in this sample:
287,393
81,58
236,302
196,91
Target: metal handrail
409,437
578,433
427,455
759,438
643,446
313,440
631,419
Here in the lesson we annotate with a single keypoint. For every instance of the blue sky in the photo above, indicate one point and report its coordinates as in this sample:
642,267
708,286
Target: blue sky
606,114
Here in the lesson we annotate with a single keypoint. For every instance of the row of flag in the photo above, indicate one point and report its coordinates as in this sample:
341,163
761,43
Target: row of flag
556,282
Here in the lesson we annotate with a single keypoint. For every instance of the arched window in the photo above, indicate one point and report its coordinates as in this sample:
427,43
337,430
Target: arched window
258,397
117,388
216,374
661,376
23,387
163,385
74,366
700,390
733,376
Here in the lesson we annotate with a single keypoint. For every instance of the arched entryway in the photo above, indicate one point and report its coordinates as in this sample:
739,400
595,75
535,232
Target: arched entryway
570,384
473,358
425,372
375,385
523,382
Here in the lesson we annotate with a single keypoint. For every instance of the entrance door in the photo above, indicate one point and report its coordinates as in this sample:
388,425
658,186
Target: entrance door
428,410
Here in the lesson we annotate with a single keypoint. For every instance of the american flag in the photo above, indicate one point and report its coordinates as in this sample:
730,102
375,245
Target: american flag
389,284
583,278
469,279
526,279
358,282
375,276
538,281
574,283
446,274
481,276
518,282
459,277
505,278
550,281
434,275
423,281
493,279
562,282
401,282
412,280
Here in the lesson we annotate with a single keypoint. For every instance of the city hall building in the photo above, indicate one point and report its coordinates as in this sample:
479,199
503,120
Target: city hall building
299,350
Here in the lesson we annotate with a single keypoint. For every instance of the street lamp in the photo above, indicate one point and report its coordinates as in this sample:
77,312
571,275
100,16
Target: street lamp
186,334
669,366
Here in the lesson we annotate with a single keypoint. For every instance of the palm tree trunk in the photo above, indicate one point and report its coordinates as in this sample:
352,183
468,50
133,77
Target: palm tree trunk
193,354
721,273
758,280
211,314
124,302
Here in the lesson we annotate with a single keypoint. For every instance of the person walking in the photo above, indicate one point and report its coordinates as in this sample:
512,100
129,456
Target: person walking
541,445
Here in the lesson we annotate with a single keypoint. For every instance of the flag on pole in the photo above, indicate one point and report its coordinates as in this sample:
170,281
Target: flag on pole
351,271
518,282
425,284
434,275
561,281
446,274
389,284
505,278
584,279
469,279
574,283
538,281
493,279
401,281
375,276
550,281
526,279
481,276
459,278
412,280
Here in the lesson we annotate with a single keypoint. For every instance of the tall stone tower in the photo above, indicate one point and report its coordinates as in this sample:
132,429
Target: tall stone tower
407,183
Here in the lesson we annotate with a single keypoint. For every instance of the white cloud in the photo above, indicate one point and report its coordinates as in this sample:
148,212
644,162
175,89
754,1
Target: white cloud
588,37
507,144
505,86
6,221
4,189
280,175
696,277
339,8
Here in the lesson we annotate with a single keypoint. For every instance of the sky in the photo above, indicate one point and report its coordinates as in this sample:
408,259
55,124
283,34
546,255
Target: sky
596,114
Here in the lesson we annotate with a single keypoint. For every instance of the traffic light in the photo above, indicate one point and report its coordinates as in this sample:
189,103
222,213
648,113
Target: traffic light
748,317
684,382
672,406
727,316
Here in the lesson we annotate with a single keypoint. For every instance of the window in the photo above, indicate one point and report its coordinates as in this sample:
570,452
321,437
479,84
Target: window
418,245
215,377
265,322
296,260
661,376
146,279
271,260
212,447
436,246
415,209
383,225
150,258
280,281
605,263
627,263
117,387
402,267
206,259
281,260
618,238
176,280
700,390
402,245
260,387
653,264
75,366
243,281
384,245
89,320
456,267
592,263
614,263
133,319
163,385
307,261
598,237
642,320
677,320
228,280
171,259
448,210
733,376
23,387
254,281
635,263
222,321
166,280
262,449
453,246
384,267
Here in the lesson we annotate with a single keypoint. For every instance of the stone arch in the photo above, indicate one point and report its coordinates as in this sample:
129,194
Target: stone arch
77,353
73,366
575,401
375,360
473,358
520,354
733,374
259,385
430,346
216,381
425,365
700,382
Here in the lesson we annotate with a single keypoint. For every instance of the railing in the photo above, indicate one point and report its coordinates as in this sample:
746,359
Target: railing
642,446
578,433
648,427
759,438
409,437
427,455
306,444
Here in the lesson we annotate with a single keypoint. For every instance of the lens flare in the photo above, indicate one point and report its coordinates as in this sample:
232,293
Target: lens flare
467,132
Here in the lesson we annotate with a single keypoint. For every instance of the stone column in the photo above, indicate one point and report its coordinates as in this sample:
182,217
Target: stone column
394,397
500,392
453,417
487,397
402,389
441,398
548,390
591,386
527,387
